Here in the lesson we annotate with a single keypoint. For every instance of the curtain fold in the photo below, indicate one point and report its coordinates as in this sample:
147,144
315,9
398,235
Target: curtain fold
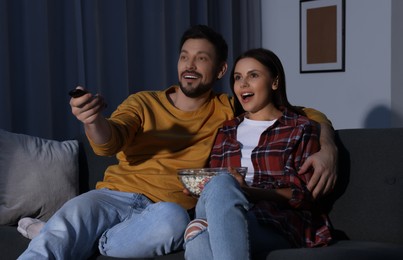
111,47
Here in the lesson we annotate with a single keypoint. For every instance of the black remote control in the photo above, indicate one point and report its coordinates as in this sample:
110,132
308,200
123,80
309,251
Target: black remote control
75,93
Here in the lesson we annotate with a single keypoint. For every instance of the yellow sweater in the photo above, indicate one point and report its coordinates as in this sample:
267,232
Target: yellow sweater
152,139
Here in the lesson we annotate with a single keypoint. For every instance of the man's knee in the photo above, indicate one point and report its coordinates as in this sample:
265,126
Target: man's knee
170,212
156,231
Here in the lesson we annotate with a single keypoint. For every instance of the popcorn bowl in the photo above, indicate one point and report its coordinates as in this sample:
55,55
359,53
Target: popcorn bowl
194,179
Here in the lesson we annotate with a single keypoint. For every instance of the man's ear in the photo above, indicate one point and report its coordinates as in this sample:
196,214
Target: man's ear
222,70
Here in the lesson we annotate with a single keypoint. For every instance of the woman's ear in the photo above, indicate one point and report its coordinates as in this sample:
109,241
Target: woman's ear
274,85
222,70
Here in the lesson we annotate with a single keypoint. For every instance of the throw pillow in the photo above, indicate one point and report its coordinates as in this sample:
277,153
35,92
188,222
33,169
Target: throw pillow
36,176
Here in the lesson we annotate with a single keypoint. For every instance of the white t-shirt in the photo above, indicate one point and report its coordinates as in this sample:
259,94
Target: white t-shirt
248,134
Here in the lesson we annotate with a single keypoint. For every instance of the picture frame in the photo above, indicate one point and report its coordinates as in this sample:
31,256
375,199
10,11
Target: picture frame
322,36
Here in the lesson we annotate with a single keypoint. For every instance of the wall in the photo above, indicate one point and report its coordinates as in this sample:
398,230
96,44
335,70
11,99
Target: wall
362,96
397,63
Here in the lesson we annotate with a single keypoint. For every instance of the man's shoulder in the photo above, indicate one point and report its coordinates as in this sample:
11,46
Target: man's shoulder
317,116
148,94
224,98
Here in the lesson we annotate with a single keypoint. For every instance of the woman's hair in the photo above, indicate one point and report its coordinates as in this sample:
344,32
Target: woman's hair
273,64
207,33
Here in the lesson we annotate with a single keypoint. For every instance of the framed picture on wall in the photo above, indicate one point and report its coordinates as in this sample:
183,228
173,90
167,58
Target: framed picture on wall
322,36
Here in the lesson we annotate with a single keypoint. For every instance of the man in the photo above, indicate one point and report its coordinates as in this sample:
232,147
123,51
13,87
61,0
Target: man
139,209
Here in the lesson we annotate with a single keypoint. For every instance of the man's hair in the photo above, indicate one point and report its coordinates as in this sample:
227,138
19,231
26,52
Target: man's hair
205,32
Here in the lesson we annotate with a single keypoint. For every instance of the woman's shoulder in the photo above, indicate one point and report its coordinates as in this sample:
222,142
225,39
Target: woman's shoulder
299,120
234,121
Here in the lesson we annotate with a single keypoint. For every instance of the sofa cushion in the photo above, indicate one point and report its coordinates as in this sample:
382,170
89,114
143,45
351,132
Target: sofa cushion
36,176
347,249
12,243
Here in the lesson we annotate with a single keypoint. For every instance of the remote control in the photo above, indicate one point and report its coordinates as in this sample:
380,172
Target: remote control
75,93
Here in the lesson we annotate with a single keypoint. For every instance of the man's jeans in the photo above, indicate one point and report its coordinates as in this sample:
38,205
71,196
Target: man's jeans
121,224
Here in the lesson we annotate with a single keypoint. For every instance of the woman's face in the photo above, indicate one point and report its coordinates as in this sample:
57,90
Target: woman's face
253,85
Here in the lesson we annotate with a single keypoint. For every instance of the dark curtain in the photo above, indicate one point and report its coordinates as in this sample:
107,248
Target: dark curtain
112,47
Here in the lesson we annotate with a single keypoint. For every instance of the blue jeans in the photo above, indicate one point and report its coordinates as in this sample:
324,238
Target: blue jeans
120,224
224,206
233,232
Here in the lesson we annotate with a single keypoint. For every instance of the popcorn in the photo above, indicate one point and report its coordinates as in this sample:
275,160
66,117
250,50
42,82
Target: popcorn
195,183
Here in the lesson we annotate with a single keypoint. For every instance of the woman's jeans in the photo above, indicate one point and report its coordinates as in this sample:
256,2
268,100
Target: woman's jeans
233,233
120,224
224,206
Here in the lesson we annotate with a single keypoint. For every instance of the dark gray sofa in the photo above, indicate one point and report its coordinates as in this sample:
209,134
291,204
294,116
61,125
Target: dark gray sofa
366,208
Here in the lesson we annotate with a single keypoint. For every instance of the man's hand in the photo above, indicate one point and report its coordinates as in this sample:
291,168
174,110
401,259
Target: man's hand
324,164
88,109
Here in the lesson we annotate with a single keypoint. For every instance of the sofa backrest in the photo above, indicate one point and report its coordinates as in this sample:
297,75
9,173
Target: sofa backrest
368,198
367,203
92,166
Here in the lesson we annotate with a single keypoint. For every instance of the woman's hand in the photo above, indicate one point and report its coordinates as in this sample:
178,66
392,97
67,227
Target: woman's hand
239,177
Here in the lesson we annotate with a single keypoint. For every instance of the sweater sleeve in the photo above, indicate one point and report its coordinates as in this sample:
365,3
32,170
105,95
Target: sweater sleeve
124,123
317,116
308,144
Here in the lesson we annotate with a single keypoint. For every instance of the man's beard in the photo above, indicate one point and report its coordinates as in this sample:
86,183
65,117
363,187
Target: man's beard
194,92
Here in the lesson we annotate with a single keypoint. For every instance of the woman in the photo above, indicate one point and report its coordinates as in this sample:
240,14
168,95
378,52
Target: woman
271,208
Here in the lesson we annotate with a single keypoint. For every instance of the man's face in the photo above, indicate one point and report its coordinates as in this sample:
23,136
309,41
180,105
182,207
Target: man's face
197,67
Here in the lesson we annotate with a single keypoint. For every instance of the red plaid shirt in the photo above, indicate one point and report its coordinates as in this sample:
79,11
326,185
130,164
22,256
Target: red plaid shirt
282,149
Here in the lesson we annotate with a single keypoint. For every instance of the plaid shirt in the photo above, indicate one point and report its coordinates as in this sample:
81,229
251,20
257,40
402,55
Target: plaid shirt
282,149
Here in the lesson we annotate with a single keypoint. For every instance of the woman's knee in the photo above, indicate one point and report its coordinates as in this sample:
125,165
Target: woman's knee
221,183
221,189
224,179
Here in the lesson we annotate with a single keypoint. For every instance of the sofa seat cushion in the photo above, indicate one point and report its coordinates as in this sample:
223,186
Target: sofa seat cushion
12,243
174,256
345,249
